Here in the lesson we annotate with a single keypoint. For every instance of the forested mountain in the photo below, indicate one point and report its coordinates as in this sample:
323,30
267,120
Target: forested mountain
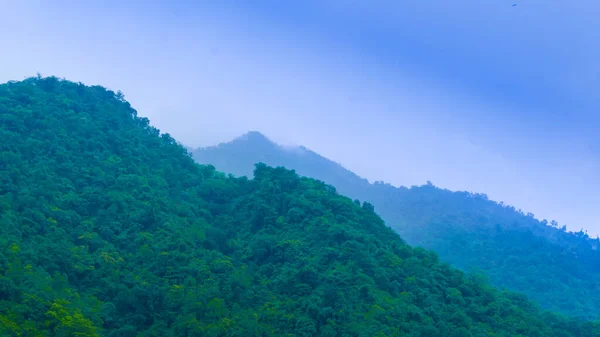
239,156
558,269
109,228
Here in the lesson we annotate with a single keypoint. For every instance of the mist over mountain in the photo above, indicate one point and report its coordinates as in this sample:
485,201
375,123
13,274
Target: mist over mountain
238,157
557,268
108,228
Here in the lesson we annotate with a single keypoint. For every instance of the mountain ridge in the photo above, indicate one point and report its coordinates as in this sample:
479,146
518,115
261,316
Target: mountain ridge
262,153
454,224
108,228
248,139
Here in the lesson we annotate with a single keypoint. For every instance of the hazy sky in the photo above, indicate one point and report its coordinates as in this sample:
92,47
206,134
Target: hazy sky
472,95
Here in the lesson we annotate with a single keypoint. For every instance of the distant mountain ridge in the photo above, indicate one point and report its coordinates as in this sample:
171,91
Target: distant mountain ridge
559,269
254,147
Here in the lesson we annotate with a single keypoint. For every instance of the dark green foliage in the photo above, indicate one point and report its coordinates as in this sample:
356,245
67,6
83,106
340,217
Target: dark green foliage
558,269
108,228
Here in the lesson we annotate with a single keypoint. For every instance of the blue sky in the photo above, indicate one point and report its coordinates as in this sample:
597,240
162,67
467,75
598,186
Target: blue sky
472,95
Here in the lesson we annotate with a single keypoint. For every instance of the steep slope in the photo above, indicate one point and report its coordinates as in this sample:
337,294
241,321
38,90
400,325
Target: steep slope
108,228
558,269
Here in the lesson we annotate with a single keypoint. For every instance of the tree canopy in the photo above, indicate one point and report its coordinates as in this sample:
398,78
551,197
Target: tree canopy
109,228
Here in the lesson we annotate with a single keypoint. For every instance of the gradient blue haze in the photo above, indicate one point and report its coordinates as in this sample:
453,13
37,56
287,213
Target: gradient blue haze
472,95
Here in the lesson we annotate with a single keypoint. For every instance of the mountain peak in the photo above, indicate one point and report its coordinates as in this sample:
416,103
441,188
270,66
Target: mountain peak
254,137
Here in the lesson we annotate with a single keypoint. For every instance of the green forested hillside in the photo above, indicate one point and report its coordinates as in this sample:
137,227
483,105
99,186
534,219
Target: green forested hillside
108,228
558,269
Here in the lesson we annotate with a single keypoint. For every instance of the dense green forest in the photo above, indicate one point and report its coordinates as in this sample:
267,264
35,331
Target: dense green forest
558,269
109,228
